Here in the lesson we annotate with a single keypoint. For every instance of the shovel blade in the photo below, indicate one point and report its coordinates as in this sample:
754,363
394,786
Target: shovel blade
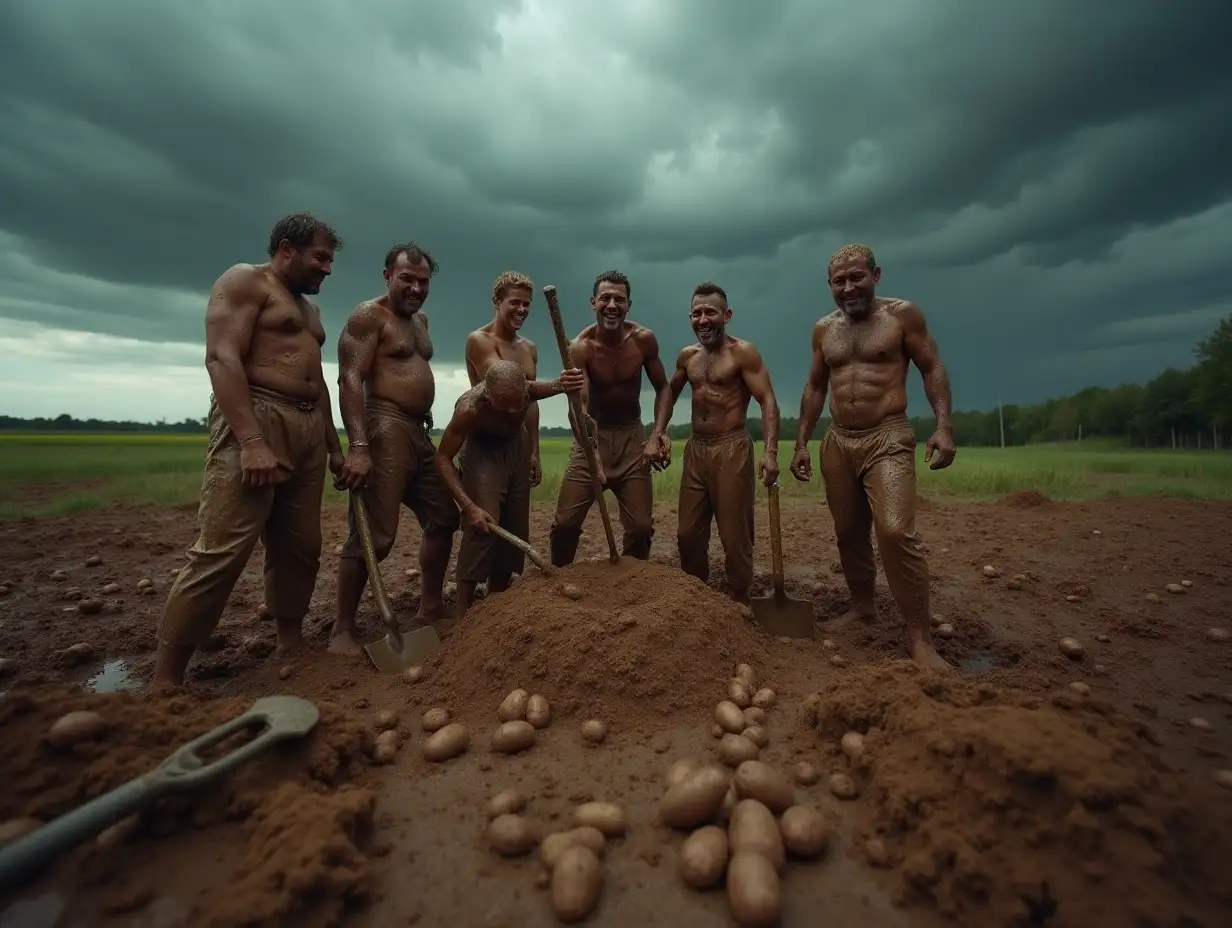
785,617
416,646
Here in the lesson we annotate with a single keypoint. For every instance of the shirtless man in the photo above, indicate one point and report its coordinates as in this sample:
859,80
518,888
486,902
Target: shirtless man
861,354
386,393
716,481
488,429
612,353
271,437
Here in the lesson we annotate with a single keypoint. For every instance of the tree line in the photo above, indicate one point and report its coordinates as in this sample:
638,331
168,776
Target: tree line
1178,408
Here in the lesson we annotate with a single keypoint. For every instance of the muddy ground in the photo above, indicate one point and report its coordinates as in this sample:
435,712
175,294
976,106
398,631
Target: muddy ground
318,833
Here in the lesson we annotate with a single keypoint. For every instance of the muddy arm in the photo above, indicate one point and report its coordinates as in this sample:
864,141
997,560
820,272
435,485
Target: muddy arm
235,303
757,380
921,348
356,354
813,400
460,426
666,400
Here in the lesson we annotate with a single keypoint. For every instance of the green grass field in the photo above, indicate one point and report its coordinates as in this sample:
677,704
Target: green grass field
54,473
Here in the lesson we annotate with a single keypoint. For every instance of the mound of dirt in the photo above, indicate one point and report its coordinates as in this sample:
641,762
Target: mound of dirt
620,642
287,825
1025,499
1003,809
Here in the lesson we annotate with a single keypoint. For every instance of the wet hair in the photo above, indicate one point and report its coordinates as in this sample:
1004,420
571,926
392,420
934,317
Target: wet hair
854,252
504,377
301,230
707,288
612,277
511,280
414,254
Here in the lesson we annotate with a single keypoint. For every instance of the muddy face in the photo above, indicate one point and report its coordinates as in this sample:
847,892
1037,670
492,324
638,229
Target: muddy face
853,285
611,305
506,399
709,316
514,307
307,268
407,284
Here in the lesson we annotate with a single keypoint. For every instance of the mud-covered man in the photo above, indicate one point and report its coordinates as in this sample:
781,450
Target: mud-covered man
716,481
612,354
386,390
492,482
271,437
861,353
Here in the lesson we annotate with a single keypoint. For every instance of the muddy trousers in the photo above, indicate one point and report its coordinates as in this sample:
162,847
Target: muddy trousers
620,450
496,475
716,482
232,517
871,487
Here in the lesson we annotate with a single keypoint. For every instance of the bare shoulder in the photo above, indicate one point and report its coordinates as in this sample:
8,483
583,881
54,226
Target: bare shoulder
365,319
645,339
745,352
687,354
466,404
907,313
242,280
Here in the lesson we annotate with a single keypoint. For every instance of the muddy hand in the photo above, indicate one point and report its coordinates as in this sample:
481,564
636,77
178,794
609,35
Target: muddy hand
258,466
769,469
477,518
356,469
941,444
802,465
536,472
572,380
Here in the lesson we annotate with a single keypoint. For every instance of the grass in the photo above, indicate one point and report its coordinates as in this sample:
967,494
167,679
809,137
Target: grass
49,473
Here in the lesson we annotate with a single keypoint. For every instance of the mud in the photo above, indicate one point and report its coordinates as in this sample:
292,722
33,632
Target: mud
319,834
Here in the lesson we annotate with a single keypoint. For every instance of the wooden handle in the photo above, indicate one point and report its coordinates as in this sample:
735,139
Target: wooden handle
575,405
522,545
776,539
374,568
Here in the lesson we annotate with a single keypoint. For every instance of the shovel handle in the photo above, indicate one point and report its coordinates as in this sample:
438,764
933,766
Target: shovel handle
374,568
535,557
776,539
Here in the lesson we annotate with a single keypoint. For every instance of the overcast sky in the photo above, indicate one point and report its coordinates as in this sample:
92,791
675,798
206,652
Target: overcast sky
1050,181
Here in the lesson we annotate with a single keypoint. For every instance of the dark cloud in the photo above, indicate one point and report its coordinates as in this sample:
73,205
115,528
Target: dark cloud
1048,181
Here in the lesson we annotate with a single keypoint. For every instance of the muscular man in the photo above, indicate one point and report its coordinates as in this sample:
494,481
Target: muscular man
386,393
716,481
612,354
488,429
271,436
860,355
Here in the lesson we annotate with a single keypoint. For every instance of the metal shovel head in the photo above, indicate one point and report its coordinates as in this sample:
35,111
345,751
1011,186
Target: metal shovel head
395,653
784,616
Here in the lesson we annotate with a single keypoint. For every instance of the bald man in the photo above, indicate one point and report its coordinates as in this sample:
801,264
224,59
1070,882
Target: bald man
487,432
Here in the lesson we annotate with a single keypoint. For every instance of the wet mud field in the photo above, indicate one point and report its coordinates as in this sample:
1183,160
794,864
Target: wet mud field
1035,787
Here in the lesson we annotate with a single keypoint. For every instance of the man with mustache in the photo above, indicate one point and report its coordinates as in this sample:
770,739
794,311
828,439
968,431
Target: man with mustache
716,480
271,437
488,434
860,354
386,390
612,353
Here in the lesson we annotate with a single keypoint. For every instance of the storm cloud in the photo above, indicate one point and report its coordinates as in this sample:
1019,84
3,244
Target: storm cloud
1049,181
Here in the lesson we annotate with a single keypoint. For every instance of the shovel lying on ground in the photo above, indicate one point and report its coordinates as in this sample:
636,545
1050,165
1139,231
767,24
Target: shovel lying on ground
281,717
779,614
396,651
535,557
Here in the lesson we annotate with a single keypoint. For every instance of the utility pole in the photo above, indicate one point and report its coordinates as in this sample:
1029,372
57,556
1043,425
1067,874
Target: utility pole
1001,421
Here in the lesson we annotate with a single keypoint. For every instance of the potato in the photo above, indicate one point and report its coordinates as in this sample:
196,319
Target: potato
538,711
513,736
842,786
716,731
606,817
412,675
764,698
738,694
385,721
1080,688
1072,648
804,831
90,606
753,829
756,779
703,857
447,743
384,753
806,774
758,735
754,716
728,714
556,843
734,750
507,802
74,727
594,731
435,720
389,737
852,744
944,631
695,798
680,771
17,828
753,891
729,805
577,881
744,673
511,835
513,707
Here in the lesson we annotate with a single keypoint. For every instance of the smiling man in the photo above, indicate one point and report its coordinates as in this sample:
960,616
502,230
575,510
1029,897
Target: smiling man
612,353
271,437
861,353
716,480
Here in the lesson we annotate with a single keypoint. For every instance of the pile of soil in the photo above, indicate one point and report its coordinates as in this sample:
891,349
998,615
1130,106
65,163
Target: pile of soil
1025,499
288,822
999,808
614,641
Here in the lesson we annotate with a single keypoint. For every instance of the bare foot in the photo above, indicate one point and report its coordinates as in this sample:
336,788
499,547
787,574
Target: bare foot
445,627
343,642
861,614
924,654
437,613
290,637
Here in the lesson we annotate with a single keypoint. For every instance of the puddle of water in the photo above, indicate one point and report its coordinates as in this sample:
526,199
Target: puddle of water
976,664
115,676
40,912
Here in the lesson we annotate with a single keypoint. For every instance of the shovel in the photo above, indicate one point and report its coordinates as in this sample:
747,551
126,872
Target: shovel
535,557
281,717
781,615
395,652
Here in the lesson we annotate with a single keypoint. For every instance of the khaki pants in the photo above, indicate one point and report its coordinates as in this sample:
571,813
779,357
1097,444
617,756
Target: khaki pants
628,477
717,481
870,484
496,475
403,474
287,517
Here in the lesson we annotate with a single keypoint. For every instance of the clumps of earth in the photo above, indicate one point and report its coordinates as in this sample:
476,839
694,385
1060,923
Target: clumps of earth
618,642
296,808
1001,808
